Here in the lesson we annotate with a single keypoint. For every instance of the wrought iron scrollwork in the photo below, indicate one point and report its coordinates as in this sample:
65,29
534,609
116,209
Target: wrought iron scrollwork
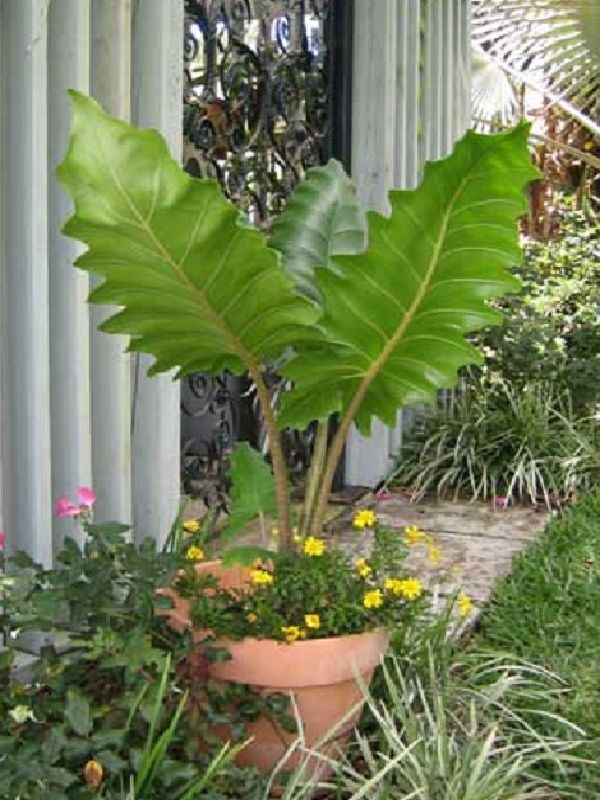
256,116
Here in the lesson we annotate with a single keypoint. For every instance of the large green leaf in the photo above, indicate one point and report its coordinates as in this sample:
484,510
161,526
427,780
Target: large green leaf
201,289
396,316
252,489
322,219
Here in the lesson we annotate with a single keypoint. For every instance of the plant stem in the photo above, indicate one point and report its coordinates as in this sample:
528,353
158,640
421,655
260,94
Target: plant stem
277,458
335,452
315,473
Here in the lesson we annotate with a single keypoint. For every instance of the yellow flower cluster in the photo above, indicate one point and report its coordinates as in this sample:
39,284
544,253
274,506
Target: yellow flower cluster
364,518
373,598
409,588
312,621
363,568
194,553
191,526
261,577
314,547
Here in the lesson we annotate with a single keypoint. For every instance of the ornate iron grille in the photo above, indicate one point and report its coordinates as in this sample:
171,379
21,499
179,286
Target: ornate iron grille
257,114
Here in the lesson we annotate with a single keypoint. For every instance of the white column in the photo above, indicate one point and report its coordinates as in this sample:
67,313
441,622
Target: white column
68,68
110,84
24,279
374,93
410,83
157,103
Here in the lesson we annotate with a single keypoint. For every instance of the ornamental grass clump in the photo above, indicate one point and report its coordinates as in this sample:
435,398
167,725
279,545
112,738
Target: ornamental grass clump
360,314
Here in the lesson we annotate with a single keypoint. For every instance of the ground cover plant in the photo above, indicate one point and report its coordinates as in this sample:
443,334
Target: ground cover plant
548,611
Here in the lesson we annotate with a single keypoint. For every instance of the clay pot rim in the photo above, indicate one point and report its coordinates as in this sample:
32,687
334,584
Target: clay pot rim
302,643
310,662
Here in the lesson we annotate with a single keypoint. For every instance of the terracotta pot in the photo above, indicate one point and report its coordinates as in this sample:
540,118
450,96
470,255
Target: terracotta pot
229,578
320,675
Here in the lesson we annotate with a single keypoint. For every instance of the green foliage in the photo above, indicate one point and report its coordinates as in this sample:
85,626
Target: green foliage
550,329
106,688
522,442
322,219
200,289
395,316
548,610
457,732
294,583
252,490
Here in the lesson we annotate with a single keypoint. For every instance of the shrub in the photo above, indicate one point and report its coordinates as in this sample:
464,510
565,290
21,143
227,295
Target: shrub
550,330
101,713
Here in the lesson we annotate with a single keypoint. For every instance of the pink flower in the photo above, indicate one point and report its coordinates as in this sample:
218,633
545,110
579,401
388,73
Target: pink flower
86,496
65,508
383,496
2,541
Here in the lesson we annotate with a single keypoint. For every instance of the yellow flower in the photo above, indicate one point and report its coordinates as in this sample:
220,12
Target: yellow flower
362,567
275,533
93,774
291,632
434,554
465,604
251,617
414,534
261,577
191,526
297,538
373,599
314,547
589,145
409,588
194,553
312,620
364,518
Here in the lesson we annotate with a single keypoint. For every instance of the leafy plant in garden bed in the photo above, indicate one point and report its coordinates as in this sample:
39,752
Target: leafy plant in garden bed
101,713
550,328
360,319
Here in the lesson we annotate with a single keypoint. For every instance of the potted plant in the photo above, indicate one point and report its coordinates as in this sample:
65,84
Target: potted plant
361,316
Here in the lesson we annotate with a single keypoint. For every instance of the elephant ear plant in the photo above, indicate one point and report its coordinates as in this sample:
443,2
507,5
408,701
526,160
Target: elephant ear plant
360,317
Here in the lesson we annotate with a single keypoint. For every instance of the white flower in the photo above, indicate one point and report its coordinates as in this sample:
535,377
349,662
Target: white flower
21,714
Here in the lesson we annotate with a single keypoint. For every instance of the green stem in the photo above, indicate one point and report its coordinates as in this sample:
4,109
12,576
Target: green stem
277,459
315,473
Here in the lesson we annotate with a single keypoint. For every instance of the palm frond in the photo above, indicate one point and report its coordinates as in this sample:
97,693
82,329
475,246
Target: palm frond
552,46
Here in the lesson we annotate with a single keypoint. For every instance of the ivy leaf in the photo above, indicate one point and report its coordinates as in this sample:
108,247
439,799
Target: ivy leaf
252,490
78,713
396,315
321,219
199,287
